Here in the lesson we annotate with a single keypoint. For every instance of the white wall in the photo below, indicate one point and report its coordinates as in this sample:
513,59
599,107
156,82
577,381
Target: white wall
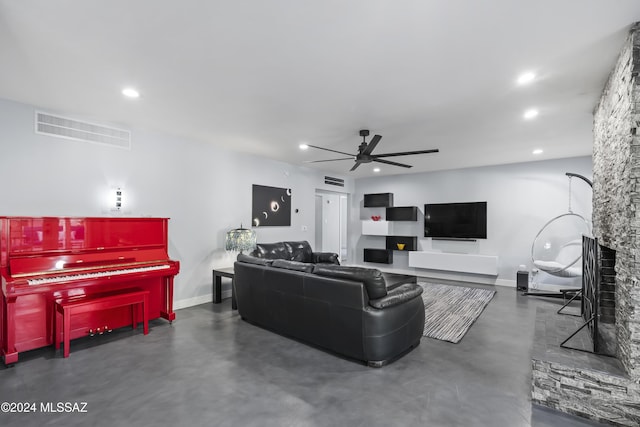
204,190
521,198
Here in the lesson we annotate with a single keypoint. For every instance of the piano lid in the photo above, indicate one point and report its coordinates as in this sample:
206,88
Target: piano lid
30,244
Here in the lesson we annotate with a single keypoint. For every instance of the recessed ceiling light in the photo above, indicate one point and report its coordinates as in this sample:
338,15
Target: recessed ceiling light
526,78
130,93
537,151
530,114
376,169
303,146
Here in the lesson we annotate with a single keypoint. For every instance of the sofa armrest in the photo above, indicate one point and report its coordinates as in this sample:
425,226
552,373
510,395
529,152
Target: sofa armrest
397,295
325,258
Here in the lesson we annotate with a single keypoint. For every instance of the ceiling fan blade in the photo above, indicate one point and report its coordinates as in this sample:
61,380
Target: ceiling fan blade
328,160
387,162
372,144
335,151
407,153
354,167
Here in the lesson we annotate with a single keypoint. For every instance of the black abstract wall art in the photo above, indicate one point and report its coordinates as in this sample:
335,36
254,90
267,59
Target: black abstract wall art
271,206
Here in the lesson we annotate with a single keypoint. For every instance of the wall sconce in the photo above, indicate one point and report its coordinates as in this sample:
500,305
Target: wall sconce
117,199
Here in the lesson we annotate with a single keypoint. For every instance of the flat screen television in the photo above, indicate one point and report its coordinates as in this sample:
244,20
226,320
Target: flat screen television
456,220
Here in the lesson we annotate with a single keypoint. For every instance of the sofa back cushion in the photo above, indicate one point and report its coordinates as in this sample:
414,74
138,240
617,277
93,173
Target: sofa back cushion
299,251
292,265
276,250
371,278
250,259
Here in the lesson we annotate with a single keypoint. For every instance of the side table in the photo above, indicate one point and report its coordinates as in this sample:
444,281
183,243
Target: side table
217,285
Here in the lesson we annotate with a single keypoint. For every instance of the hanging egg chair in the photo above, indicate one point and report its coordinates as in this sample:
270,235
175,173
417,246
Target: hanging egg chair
557,248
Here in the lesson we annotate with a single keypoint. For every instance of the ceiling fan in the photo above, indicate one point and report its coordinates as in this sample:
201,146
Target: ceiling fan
364,153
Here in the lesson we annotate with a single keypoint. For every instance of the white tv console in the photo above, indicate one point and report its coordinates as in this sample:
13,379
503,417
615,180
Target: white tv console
462,263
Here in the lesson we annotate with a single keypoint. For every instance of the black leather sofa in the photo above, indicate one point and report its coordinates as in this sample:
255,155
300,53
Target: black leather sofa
347,310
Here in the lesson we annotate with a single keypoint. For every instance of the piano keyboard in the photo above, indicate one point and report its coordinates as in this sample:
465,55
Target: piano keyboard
45,280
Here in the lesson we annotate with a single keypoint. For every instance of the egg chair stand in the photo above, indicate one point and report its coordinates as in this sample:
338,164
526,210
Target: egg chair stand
568,295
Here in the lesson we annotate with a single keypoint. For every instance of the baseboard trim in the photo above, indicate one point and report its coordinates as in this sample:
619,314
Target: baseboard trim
190,302
202,299
506,283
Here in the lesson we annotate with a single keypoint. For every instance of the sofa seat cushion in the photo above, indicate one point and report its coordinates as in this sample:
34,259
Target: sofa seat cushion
292,265
271,251
371,278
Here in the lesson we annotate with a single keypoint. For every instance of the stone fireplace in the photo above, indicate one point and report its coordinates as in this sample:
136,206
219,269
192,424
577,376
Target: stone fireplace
589,385
616,193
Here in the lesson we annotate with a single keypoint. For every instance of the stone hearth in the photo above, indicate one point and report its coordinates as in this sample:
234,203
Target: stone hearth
577,382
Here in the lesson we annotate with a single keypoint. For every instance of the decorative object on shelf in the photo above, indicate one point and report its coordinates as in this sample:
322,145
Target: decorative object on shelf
376,217
271,206
240,239
410,243
400,246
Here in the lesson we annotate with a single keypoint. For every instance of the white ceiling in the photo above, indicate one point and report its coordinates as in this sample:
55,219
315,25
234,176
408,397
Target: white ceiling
265,76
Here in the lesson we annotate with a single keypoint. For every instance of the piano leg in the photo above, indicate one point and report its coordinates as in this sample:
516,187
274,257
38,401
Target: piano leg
9,352
168,313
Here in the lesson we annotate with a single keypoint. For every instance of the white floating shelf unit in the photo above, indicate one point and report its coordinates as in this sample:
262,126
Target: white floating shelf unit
462,263
376,228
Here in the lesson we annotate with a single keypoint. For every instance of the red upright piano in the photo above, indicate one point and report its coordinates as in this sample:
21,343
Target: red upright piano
44,259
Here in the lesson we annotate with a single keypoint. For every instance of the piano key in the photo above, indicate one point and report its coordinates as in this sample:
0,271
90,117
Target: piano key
54,279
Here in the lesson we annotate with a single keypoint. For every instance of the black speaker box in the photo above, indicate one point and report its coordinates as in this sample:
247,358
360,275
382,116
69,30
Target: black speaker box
522,281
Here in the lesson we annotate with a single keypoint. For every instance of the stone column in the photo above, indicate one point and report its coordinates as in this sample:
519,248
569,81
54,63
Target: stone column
616,197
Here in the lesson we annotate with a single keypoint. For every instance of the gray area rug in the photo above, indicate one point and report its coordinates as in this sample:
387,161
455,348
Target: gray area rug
451,310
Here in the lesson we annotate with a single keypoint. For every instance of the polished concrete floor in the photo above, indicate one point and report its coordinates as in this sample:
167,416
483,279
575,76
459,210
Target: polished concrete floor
210,368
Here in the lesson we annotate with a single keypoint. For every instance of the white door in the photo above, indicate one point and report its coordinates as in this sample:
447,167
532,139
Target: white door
331,223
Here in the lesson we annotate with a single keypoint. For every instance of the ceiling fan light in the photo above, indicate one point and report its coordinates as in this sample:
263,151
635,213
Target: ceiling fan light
376,170
303,146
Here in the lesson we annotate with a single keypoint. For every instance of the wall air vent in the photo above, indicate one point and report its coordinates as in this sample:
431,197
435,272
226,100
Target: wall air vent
63,127
334,181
